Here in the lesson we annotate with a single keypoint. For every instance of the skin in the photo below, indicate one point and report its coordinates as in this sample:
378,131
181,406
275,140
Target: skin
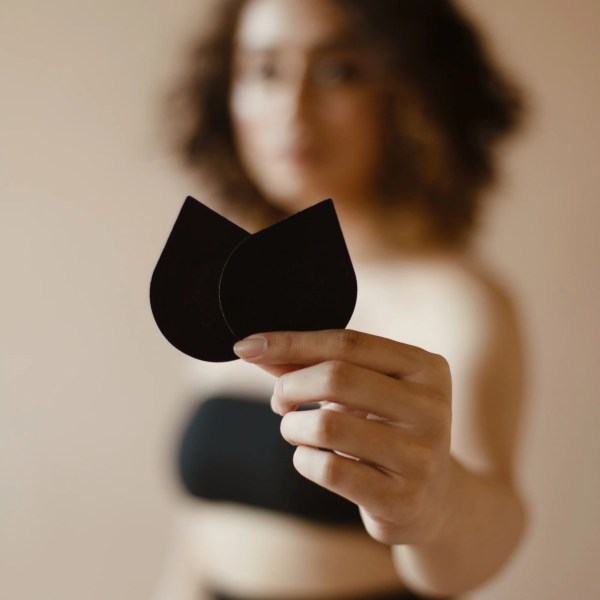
422,441
389,424
386,404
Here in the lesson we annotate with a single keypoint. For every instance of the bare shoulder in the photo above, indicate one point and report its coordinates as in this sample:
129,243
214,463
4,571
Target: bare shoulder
468,314
456,307
487,367
468,283
451,305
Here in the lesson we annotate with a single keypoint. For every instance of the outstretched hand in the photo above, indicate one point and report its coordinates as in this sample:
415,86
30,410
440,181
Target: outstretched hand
385,414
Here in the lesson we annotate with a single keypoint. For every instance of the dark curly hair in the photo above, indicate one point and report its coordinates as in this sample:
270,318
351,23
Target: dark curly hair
445,130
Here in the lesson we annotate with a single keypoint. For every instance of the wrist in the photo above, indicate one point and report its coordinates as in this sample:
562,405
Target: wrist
443,523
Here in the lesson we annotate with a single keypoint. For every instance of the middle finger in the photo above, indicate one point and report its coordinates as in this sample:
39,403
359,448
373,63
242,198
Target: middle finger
356,388
375,442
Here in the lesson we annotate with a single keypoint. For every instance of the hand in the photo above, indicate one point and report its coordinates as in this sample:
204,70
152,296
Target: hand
386,415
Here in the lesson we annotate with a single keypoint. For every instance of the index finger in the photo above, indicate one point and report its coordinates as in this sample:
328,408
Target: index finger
273,349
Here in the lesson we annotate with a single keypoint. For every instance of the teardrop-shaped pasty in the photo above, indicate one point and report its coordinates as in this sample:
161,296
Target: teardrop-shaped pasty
184,289
293,276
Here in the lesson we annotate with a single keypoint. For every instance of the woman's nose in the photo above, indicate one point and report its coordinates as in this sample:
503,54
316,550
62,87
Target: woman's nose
298,98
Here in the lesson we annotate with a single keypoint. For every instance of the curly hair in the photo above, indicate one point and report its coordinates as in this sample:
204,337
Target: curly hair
452,107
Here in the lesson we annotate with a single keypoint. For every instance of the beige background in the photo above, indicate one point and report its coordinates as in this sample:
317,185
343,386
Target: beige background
90,392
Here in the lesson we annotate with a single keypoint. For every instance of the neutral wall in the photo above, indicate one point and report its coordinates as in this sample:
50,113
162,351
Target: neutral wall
90,391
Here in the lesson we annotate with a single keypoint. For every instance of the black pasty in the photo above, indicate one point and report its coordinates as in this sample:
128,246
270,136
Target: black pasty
216,283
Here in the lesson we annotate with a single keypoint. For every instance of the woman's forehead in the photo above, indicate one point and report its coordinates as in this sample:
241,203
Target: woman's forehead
314,25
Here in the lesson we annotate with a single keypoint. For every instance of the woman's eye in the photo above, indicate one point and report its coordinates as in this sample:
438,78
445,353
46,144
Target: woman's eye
267,71
264,71
260,70
336,72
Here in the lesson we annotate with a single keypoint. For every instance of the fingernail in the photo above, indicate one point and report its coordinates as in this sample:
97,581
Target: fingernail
252,347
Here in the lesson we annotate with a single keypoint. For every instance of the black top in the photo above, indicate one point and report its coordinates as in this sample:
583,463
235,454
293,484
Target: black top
232,450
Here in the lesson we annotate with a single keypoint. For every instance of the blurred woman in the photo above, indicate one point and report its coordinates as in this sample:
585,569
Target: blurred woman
377,461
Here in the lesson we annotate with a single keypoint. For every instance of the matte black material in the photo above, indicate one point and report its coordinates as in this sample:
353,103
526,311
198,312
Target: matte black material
185,284
215,283
293,276
232,450
392,595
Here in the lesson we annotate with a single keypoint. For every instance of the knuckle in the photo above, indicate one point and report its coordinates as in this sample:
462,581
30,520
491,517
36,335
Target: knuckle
325,427
346,340
278,389
330,470
438,408
336,373
440,404
437,397
287,342
439,363
442,416
278,394
416,356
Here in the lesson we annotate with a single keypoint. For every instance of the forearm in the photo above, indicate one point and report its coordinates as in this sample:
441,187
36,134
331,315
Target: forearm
484,523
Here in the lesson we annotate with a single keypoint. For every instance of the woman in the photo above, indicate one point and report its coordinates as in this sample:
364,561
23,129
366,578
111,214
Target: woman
393,109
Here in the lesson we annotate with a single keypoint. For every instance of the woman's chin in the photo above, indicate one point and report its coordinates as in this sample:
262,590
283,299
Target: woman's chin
292,200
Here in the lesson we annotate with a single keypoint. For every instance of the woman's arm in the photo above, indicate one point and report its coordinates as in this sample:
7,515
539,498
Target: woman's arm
486,519
449,510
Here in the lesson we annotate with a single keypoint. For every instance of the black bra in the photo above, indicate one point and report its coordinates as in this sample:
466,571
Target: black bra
232,450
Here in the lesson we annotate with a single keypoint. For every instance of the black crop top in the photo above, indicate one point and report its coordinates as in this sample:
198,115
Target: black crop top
232,450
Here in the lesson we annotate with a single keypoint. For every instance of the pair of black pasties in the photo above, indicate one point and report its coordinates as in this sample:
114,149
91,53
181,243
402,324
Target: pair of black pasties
215,283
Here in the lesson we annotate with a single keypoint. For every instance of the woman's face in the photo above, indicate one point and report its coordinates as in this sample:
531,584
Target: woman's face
306,103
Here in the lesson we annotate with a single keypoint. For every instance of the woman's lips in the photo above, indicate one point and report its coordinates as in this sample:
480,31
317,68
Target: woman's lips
302,154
